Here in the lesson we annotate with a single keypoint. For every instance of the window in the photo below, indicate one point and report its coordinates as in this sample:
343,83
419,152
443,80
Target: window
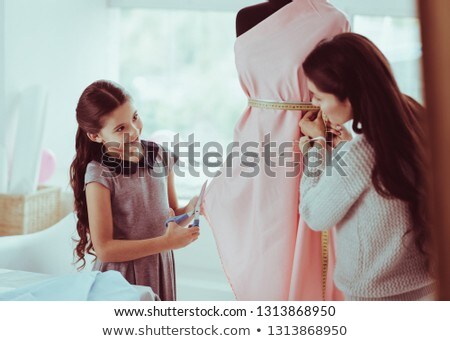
179,67
394,27
399,40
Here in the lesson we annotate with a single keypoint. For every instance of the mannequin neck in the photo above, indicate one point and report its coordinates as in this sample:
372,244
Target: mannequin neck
249,17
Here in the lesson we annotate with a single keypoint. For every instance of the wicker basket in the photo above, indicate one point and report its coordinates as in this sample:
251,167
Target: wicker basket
22,214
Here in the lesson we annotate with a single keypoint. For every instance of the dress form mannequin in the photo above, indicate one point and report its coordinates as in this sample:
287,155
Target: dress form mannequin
251,16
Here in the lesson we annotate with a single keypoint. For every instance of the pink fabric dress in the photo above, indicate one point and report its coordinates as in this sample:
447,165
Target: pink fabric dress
267,251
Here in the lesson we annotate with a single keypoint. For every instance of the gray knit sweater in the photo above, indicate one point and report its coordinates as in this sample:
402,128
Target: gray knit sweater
374,260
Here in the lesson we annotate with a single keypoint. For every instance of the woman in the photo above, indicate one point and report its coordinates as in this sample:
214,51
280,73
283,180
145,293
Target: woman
374,190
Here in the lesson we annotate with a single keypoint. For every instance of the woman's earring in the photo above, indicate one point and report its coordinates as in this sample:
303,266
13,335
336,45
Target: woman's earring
357,127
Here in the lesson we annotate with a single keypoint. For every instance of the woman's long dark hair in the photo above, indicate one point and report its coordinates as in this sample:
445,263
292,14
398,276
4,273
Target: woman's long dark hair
97,101
351,66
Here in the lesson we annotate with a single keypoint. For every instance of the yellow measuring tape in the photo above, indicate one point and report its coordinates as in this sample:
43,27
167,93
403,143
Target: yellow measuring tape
324,263
265,104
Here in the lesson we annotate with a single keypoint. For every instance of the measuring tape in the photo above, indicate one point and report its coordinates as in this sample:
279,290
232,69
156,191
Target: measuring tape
324,239
265,104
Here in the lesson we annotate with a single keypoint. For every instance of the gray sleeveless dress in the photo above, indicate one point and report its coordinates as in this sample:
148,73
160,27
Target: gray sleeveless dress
140,206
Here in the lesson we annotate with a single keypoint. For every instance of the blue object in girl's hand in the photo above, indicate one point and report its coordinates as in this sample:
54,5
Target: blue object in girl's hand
196,212
179,218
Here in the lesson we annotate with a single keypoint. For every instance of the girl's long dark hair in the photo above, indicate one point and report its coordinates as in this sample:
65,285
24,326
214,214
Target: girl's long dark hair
97,101
351,66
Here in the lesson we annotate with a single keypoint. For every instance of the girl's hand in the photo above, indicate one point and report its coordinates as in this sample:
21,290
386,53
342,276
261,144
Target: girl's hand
177,237
312,124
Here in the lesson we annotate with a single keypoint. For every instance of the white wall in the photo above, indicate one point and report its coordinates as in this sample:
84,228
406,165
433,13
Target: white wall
62,45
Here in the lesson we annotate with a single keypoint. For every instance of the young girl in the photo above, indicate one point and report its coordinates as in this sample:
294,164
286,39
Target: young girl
377,201
124,191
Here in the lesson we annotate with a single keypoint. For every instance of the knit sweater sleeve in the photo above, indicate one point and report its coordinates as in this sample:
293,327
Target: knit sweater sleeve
328,192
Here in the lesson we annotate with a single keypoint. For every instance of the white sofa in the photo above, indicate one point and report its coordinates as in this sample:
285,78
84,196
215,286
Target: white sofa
49,251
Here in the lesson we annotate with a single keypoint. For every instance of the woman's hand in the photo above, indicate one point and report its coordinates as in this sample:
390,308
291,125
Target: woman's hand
303,144
339,133
312,124
177,237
